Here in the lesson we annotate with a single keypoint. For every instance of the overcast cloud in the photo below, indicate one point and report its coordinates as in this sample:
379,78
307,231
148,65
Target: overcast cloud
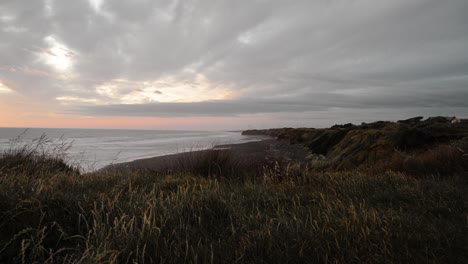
283,59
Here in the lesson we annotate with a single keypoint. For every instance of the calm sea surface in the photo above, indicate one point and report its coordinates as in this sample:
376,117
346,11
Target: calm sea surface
93,149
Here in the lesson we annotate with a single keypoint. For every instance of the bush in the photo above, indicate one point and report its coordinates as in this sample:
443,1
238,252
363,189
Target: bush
411,138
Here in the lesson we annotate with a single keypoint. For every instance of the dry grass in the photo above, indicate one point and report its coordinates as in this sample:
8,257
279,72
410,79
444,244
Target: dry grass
440,160
41,157
288,214
215,163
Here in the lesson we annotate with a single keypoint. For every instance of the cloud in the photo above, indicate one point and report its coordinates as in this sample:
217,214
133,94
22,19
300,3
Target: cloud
229,58
4,89
209,108
315,102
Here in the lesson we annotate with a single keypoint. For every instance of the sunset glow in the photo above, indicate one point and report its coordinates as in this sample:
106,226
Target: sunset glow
4,89
57,55
163,90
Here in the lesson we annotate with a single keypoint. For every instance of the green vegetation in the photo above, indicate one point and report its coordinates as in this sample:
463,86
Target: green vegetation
409,208
347,147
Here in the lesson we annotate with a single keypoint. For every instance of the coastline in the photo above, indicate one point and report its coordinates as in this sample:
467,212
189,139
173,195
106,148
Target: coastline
269,149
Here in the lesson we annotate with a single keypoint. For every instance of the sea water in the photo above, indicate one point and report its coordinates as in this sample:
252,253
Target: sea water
92,149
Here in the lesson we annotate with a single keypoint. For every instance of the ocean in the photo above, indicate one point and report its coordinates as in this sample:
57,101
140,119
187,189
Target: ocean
93,149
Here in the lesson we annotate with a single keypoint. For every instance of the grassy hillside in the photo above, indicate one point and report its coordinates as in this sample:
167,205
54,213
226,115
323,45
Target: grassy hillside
379,144
279,213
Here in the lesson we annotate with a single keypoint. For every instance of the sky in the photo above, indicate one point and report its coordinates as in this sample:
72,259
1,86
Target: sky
222,65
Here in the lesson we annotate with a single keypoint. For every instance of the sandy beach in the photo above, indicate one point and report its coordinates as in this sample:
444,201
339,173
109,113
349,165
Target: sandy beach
268,150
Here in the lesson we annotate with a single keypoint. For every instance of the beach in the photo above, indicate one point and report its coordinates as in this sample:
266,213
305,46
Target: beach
263,151
93,149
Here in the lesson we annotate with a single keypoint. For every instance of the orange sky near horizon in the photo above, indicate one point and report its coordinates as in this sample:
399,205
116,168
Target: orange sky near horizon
21,110
11,116
30,120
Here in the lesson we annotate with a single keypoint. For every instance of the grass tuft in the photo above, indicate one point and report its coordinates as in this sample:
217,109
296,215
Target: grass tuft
36,159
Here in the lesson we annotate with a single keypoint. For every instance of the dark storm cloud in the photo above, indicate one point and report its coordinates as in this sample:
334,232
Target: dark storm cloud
277,56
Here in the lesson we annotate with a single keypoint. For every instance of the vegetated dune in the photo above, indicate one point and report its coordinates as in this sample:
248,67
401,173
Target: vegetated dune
344,147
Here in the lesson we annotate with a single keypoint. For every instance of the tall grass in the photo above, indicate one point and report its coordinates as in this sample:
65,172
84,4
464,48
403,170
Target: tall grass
288,215
41,156
440,160
217,163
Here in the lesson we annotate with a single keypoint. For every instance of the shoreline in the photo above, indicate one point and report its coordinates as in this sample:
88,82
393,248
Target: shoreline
267,149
